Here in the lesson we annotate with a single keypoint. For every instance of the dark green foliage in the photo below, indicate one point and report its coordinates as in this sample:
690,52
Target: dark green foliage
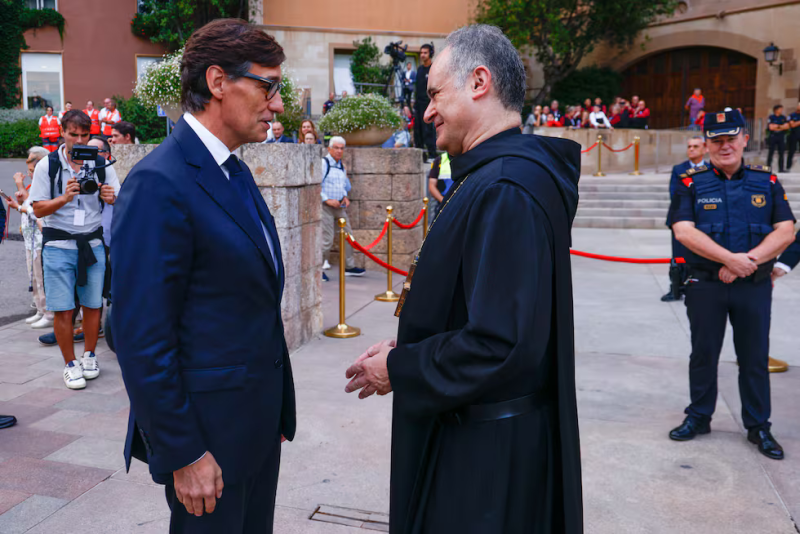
148,124
365,66
17,137
589,82
11,42
37,18
171,22
560,33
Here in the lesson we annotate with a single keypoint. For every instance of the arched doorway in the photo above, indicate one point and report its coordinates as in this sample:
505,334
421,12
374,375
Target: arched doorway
666,80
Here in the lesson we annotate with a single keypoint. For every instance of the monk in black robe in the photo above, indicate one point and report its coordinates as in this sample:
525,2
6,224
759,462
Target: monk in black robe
485,424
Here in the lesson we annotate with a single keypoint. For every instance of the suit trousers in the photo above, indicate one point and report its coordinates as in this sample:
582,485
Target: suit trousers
245,508
748,304
330,231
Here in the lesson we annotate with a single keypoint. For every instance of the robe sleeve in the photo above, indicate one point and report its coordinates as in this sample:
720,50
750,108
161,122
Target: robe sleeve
507,272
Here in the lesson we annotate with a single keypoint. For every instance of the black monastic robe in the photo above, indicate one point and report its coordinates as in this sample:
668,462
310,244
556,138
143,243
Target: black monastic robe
488,319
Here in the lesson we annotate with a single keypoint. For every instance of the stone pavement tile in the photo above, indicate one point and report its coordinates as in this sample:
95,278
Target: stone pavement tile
9,499
26,414
91,452
54,479
45,397
636,480
785,474
110,426
94,402
21,440
29,513
53,379
12,391
112,507
61,421
139,474
296,521
22,375
16,359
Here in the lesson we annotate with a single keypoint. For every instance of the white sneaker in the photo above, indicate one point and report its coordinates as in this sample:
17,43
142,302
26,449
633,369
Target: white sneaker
73,375
325,265
44,322
31,320
91,369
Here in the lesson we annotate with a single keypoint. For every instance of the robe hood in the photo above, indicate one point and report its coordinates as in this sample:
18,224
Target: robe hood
561,158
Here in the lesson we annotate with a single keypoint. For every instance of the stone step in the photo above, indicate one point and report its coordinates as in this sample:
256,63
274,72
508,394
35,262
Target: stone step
623,188
622,212
622,203
616,195
619,222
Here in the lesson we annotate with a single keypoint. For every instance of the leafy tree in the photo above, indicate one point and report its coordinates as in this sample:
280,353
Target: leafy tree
589,82
560,33
148,124
293,115
171,22
366,67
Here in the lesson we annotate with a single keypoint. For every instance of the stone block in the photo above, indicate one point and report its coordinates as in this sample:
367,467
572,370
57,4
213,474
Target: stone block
370,161
366,237
407,161
407,241
407,186
311,289
292,332
128,156
291,247
310,204
277,164
372,214
354,213
349,158
371,186
284,204
310,323
311,254
290,303
407,212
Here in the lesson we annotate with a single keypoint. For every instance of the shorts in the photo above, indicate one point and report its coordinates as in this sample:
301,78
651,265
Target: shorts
61,279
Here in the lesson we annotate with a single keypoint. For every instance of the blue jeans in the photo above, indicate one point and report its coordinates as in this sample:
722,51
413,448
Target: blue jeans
61,278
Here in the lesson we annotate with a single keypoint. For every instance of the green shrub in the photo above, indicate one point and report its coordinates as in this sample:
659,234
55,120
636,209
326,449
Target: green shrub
148,124
366,66
589,82
14,115
17,137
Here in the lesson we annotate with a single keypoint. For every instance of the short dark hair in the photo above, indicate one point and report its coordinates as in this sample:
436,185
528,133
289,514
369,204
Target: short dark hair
776,107
48,107
125,128
76,118
68,102
106,145
429,47
231,44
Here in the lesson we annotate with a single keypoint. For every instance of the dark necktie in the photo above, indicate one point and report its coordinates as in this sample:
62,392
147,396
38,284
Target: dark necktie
238,177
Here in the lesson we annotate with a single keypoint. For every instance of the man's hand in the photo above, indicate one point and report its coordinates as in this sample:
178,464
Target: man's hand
726,275
346,202
741,265
18,178
370,372
73,189
332,203
777,272
107,194
199,485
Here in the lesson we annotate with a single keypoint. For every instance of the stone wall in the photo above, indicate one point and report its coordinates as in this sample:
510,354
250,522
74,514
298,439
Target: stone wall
385,177
289,178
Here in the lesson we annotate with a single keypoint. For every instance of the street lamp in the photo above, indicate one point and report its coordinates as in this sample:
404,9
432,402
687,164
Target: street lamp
771,55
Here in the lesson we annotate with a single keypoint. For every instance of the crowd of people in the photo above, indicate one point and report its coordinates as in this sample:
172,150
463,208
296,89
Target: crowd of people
106,124
622,113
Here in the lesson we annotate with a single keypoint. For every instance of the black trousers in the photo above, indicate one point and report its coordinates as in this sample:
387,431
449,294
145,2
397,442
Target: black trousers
424,134
245,508
776,142
709,305
794,139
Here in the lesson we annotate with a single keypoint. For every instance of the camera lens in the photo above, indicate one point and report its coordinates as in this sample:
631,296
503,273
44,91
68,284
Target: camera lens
89,187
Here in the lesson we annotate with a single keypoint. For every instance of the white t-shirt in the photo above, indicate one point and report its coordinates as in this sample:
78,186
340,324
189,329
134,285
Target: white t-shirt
65,218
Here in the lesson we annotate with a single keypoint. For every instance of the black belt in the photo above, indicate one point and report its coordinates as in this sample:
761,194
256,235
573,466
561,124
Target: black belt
481,413
705,274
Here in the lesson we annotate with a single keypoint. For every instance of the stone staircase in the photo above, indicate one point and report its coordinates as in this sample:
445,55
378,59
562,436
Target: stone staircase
625,201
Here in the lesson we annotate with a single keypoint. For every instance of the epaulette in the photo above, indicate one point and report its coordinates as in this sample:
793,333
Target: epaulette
762,168
686,180
695,170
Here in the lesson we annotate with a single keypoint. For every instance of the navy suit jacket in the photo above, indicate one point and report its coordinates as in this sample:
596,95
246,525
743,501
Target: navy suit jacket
791,256
282,139
677,170
197,316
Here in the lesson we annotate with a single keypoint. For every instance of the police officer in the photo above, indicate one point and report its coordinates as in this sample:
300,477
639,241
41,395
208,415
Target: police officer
735,220
794,135
777,135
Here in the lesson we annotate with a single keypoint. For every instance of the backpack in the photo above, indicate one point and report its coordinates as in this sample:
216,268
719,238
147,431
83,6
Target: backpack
54,171
328,167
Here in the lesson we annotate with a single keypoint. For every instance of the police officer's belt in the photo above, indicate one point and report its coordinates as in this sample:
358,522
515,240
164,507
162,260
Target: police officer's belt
480,413
712,275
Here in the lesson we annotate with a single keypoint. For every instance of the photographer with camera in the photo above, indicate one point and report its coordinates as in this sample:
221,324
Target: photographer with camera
70,189
424,133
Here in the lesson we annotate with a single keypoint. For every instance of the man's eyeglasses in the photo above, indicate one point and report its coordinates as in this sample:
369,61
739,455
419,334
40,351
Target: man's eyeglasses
270,86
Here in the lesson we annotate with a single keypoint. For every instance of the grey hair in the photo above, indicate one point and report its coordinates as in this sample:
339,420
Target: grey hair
700,137
338,140
484,45
35,153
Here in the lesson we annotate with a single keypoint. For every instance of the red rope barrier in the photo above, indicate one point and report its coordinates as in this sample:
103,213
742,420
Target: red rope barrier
383,233
624,260
377,260
412,225
620,149
590,148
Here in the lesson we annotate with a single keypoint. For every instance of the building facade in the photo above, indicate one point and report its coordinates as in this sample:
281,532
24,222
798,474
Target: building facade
99,57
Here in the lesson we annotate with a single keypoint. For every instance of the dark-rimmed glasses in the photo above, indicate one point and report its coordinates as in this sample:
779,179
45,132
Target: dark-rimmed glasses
270,85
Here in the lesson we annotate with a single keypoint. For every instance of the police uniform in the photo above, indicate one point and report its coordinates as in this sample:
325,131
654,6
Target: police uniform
794,139
737,213
777,139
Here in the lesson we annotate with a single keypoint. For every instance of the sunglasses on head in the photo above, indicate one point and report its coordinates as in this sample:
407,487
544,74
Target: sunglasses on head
270,85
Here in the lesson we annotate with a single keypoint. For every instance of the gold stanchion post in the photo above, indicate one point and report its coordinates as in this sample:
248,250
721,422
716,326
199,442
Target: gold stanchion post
342,330
425,218
636,157
599,156
389,295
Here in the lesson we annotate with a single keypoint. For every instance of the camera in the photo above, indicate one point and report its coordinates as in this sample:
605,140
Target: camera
395,51
88,183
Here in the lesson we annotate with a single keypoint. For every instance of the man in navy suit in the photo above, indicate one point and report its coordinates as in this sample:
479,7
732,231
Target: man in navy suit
409,83
695,151
277,130
197,285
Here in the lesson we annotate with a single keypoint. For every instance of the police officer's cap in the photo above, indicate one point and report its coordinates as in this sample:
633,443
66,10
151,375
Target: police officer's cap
728,122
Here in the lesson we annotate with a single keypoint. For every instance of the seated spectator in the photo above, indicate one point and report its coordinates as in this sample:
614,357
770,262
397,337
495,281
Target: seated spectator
586,111
534,120
634,102
310,138
545,113
698,122
620,117
307,126
555,111
573,118
599,103
598,119
123,133
641,116
552,122
277,129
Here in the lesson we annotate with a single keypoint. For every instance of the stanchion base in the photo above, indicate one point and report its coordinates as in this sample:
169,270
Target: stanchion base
343,331
387,296
777,366
599,174
636,173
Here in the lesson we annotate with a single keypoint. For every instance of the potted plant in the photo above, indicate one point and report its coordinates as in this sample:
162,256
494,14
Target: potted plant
363,120
160,85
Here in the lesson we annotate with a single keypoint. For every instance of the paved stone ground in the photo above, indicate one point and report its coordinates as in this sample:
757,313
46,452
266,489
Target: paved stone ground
61,468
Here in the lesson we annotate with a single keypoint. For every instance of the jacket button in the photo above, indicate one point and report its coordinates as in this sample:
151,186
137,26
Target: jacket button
278,364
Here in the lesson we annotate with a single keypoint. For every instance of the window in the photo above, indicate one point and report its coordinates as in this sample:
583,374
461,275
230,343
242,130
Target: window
42,4
342,80
42,81
142,62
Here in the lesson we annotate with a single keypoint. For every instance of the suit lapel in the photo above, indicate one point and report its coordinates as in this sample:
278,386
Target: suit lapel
269,224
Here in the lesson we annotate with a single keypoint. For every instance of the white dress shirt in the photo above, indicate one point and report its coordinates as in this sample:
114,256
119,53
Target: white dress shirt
220,153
